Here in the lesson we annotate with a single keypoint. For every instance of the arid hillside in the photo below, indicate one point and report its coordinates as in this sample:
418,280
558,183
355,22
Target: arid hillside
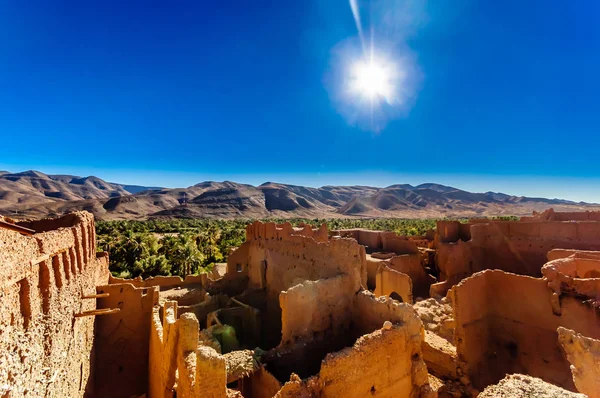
35,194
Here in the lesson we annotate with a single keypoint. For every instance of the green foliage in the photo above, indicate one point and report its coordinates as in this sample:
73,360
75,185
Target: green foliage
172,247
190,246
152,265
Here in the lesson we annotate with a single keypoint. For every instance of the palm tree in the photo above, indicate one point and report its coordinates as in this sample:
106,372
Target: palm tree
183,254
151,266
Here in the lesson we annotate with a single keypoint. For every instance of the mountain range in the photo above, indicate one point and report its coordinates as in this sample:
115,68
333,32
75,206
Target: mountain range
35,194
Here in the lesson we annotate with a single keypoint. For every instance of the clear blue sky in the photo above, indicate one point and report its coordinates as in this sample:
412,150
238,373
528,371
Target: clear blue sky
503,97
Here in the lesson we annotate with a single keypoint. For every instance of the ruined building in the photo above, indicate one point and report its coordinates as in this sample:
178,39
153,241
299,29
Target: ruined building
303,312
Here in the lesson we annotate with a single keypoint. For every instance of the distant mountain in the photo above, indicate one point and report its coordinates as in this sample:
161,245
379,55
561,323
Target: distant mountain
30,190
35,194
137,188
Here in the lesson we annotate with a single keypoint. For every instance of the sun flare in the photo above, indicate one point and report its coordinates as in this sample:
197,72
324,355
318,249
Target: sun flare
372,79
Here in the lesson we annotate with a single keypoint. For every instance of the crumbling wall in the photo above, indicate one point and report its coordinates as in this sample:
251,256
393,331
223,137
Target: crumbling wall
45,350
555,254
410,264
518,247
584,355
390,360
574,275
389,281
269,230
163,282
123,340
370,312
203,308
454,261
297,387
393,243
175,349
383,357
373,264
521,247
317,307
279,264
381,363
370,239
383,241
202,371
281,261
448,231
507,323
440,357
162,354
551,215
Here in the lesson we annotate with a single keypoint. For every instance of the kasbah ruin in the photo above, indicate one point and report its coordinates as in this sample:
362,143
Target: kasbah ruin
484,308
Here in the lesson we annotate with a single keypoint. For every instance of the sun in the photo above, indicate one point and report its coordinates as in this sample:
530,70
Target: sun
372,79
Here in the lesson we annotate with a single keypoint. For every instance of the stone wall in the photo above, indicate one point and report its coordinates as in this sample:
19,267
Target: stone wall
45,350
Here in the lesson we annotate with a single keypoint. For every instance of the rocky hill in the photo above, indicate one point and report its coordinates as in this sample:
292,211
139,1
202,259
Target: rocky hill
35,194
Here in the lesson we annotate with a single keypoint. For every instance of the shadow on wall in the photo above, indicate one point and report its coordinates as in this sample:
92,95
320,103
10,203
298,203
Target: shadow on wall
122,340
506,323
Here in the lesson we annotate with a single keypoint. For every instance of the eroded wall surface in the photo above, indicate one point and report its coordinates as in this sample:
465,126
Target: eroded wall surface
123,340
282,259
383,241
44,349
162,353
506,323
518,247
574,275
379,364
384,361
551,215
390,281
317,307
384,358
175,350
584,355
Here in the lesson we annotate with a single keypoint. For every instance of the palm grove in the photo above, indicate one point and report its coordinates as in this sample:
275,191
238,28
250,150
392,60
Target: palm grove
191,246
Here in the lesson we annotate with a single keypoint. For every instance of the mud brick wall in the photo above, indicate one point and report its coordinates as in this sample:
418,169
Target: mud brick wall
44,349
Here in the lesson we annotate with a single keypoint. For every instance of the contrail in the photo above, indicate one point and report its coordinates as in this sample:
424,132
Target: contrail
356,14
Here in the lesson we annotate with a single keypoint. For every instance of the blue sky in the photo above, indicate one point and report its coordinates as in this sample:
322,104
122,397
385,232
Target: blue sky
500,95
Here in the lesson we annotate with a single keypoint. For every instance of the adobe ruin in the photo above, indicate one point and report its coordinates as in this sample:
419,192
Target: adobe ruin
303,312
